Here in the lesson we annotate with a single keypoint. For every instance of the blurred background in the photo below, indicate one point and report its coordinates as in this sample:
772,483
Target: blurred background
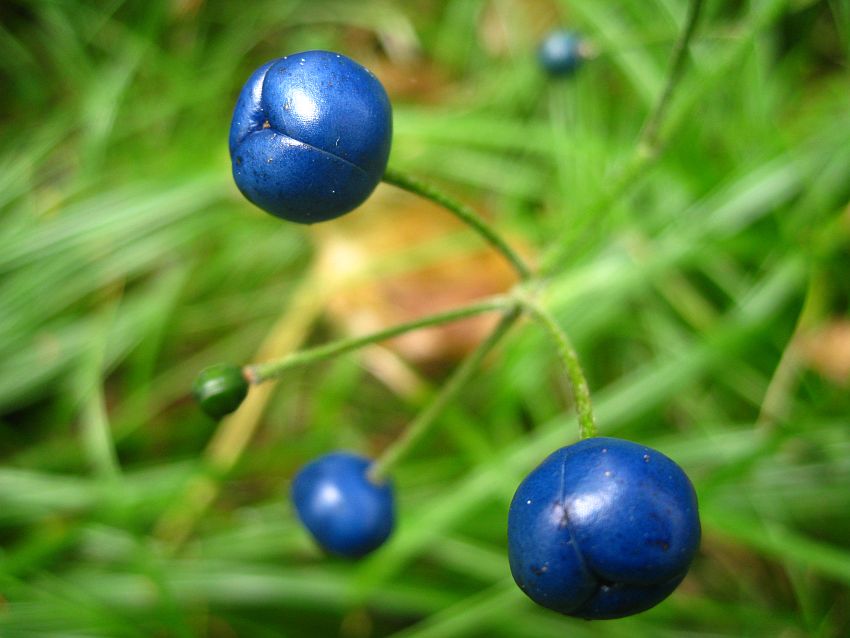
705,285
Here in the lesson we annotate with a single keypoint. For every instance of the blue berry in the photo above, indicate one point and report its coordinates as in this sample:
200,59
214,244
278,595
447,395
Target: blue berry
560,53
310,136
603,528
347,513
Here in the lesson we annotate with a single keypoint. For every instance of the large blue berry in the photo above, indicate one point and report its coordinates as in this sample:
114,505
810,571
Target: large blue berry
310,136
346,512
604,528
560,52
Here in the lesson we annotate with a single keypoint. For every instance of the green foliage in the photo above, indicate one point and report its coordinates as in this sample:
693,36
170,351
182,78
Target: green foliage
686,281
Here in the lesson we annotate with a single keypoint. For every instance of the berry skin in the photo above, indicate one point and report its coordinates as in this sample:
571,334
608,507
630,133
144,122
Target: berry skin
603,528
343,509
220,389
310,136
560,53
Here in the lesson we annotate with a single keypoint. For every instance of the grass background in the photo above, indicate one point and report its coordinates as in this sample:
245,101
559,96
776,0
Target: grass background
706,291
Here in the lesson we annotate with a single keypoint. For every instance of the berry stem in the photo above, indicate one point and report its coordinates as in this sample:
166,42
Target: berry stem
463,213
649,137
273,369
425,419
578,382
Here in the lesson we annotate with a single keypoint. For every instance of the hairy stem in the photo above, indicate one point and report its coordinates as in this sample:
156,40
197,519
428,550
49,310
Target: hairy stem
462,212
260,372
426,419
649,138
568,356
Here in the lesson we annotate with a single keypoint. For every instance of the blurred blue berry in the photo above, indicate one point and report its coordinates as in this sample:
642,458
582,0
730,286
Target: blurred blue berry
560,52
347,513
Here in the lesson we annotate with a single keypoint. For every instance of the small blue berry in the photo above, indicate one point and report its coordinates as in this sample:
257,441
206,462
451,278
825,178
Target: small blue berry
560,53
310,136
603,528
347,513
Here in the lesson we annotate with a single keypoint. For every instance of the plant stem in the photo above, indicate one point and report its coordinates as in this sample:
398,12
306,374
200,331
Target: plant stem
260,372
425,419
462,212
581,391
649,138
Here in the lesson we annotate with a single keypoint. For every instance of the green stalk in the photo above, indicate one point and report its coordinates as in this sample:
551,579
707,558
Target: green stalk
569,358
426,419
649,138
273,369
463,213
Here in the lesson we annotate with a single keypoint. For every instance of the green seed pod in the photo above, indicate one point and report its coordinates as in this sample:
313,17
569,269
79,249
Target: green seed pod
220,389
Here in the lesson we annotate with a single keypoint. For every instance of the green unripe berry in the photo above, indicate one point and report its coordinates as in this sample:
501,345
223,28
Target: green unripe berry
220,389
